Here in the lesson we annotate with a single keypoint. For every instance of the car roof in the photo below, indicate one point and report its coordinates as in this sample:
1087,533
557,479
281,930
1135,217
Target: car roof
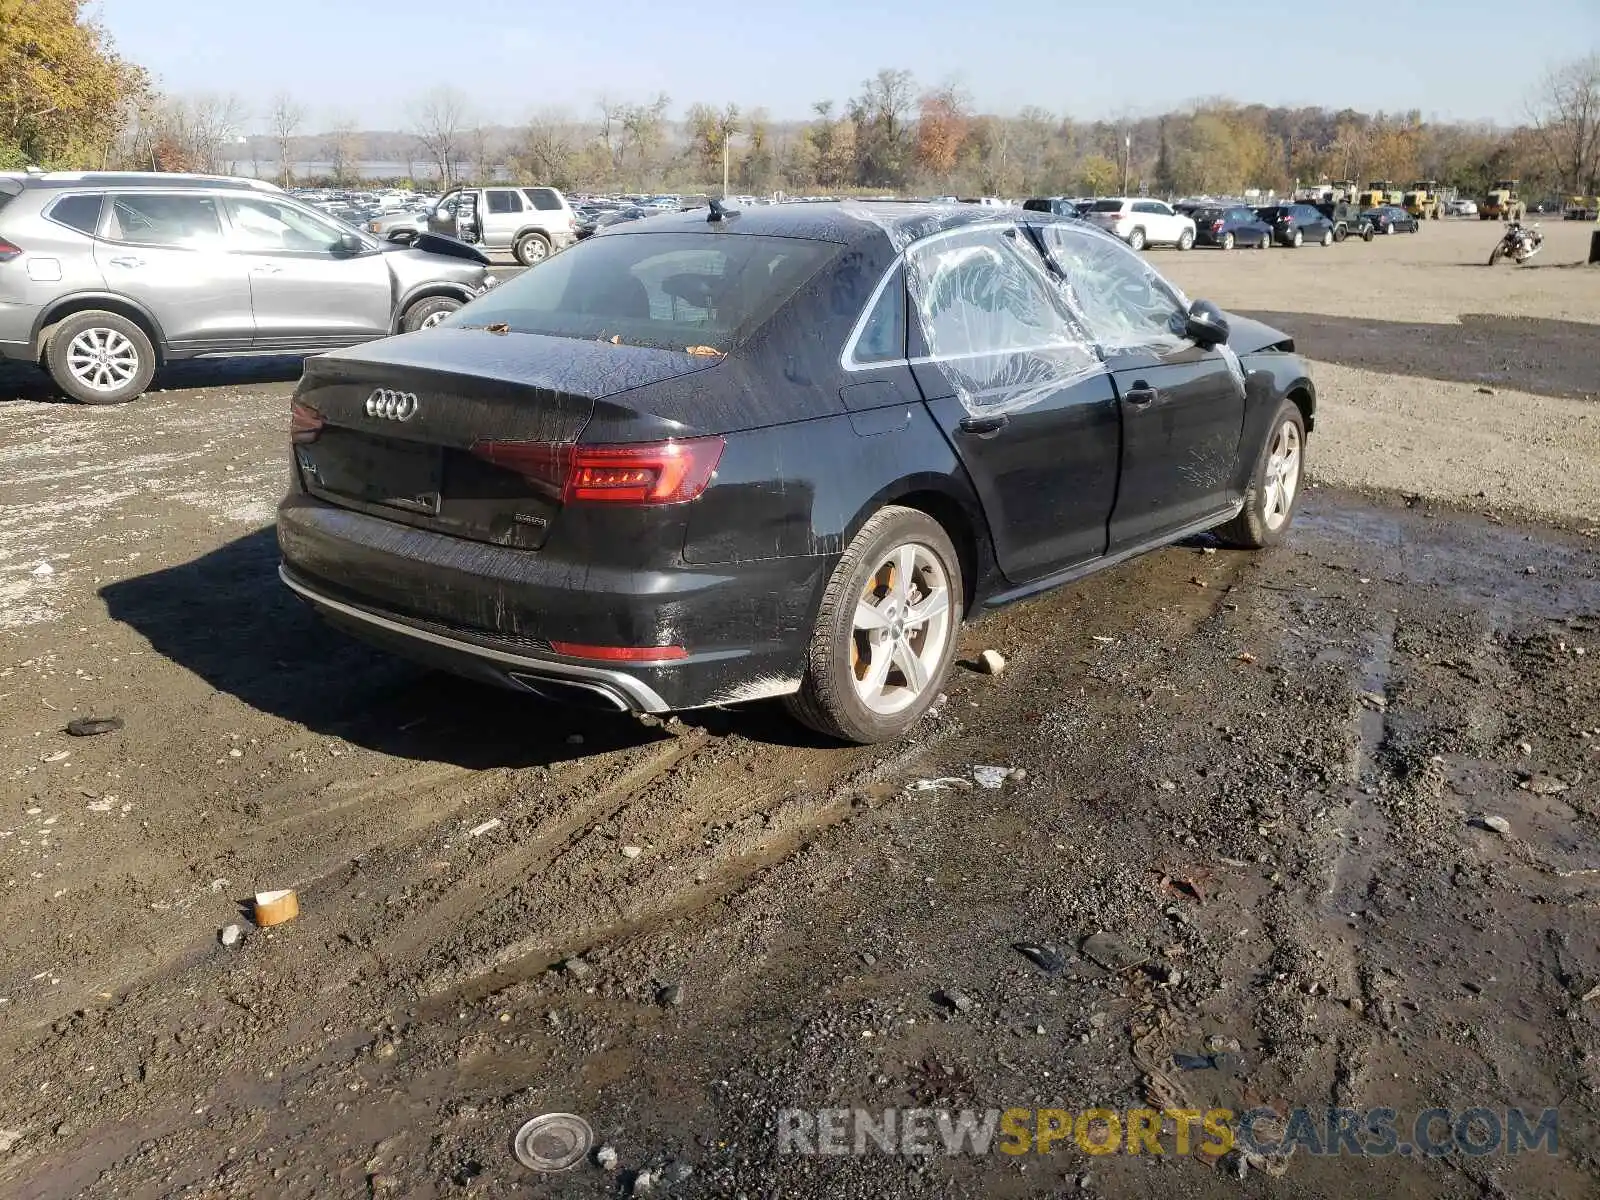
134,179
851,222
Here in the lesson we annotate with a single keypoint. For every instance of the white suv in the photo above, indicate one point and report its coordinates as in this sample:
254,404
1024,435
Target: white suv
1141,222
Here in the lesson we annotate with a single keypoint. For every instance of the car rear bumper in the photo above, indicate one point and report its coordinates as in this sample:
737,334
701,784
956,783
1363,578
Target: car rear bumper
491,613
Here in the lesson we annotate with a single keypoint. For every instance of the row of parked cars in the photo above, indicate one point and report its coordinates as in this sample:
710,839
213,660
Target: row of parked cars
1141,221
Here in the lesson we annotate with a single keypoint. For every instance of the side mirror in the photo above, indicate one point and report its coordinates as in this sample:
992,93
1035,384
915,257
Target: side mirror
1206,326
350,243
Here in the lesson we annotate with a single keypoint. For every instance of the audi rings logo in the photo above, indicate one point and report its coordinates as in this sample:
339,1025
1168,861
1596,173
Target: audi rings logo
393,405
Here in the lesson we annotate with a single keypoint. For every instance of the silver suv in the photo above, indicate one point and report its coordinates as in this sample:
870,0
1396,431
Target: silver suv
103,277
531,222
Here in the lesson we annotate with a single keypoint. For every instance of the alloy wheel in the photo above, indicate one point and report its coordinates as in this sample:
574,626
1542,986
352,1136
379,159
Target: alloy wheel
901,628
1283,474
102,359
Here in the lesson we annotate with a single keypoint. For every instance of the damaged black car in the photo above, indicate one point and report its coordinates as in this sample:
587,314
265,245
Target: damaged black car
715,457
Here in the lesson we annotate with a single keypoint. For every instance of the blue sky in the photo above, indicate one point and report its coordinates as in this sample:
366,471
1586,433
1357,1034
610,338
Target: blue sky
1082,59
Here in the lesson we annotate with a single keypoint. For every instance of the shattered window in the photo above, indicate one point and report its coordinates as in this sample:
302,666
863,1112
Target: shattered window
995,321
1125,304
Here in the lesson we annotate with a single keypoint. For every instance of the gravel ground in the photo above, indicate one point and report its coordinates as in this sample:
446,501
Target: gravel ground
1267,778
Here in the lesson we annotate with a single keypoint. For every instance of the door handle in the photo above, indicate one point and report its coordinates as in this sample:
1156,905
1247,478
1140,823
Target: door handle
1141,395
981,426
127,260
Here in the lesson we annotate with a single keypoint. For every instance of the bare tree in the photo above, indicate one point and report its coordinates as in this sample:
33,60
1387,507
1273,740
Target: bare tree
547,148
1567,121
343,146
482,154
644,128
439,119
213,125
284,121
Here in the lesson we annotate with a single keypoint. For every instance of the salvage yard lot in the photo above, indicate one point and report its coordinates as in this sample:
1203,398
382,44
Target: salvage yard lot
1268,775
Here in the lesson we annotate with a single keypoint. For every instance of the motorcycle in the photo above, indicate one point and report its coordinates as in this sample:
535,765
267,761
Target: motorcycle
1519,244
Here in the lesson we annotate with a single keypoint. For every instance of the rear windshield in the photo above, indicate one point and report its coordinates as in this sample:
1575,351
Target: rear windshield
1106,206
1269,213
8,189
668,290
1206,214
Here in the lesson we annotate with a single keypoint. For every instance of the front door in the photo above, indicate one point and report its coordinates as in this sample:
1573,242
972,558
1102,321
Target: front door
307,288
1019,392
1182,407
166,251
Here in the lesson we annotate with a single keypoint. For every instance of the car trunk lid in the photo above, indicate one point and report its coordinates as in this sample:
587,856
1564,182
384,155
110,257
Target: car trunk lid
414,429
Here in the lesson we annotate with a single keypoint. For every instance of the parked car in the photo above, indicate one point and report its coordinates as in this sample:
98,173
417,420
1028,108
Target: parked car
1060,206
709,459
401,226
1296,224
1141,222
1347,220
621,216
532,223
1461,208
103,277
1229,227
1391,218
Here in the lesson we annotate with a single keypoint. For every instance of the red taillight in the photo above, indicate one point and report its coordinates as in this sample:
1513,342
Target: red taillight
633,654
305,422
1216,227
8,250
655,473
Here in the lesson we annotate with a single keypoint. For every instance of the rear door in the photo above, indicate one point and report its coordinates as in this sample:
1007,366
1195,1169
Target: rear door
166,251
1019,392
306,288
1182,407
501,217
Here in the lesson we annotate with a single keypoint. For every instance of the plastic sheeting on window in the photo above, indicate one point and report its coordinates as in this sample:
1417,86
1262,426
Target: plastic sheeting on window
1004,329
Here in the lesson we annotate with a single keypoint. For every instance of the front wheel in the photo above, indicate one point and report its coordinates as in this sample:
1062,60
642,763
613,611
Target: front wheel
885,632
1496,253
428,312
1269,502
531,248
99,357
1136,240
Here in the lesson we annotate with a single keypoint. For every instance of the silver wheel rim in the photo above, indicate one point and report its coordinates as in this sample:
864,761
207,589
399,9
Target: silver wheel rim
1227,241
1283,475
103,360
901,629
433,318
533,251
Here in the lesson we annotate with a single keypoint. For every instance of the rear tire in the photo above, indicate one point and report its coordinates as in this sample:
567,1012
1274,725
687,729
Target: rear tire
1368,234
1227,241
98,357
1268,511
848,692
1327,237
1186,240
1299,239
428,312
531,249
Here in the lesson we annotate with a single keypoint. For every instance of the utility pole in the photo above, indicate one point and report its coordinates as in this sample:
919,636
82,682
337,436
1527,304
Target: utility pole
1127,159
726,138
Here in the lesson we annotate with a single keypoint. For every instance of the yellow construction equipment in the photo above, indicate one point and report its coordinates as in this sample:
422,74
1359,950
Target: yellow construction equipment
1502,203
1581,208
1422,200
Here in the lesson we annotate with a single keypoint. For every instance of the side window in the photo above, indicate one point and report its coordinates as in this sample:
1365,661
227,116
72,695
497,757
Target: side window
504,200
883,337
543,199
77,212
1160,209
156,219
1124,303
977,294
995,319
264,226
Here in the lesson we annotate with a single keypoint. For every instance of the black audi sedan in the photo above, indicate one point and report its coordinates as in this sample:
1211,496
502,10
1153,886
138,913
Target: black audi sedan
713,457
1391,218
1297,224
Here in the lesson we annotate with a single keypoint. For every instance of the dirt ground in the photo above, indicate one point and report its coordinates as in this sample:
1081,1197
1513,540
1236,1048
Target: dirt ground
1334,803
